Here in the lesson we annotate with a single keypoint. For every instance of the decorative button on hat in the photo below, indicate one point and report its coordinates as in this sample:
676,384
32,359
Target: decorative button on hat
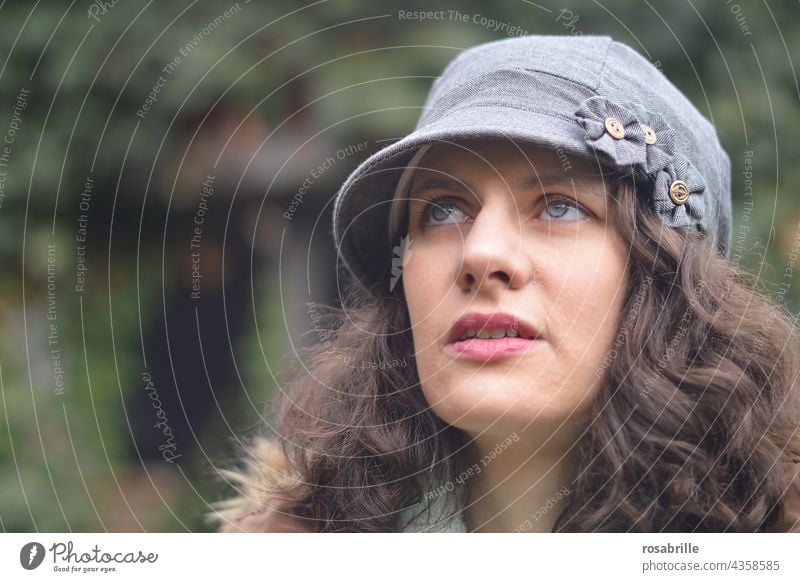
649,134
614,127
679,191
587,96
680,197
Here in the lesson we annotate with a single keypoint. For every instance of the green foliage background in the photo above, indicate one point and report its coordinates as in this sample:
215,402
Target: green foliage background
369,71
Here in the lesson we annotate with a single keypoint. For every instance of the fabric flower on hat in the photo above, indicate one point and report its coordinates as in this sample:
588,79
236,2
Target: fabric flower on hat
619,132
678,195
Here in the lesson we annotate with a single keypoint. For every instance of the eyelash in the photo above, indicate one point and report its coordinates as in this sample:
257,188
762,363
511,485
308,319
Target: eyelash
422,213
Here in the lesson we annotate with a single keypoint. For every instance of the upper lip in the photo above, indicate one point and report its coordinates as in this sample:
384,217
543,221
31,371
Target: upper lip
490,321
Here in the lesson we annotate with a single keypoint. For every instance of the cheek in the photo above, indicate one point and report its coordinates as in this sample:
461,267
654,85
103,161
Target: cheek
590,305
416,293
427,279
426,283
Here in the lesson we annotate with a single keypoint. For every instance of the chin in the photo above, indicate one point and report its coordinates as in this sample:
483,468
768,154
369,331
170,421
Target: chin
476,412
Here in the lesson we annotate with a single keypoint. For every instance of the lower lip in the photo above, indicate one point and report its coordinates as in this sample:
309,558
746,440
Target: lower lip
488,350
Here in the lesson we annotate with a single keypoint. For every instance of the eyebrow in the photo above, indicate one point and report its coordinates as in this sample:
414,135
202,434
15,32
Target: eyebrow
529,183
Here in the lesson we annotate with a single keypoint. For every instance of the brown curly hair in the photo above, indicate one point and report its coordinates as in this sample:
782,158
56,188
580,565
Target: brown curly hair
693,429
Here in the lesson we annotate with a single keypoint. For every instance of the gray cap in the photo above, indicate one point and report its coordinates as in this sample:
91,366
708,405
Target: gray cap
588,95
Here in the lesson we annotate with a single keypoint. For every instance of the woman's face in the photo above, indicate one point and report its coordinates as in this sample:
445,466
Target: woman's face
522,233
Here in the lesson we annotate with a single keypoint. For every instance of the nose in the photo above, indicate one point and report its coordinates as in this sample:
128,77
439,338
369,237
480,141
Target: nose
494,254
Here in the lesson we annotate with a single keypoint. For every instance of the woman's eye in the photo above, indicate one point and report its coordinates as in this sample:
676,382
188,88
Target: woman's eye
558,208
441,211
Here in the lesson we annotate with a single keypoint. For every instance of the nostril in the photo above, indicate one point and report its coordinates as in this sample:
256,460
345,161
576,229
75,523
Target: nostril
503,276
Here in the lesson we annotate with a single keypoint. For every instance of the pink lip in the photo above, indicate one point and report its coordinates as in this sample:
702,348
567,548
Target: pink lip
490,349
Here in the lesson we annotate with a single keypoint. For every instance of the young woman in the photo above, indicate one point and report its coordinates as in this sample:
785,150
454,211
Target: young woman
545,330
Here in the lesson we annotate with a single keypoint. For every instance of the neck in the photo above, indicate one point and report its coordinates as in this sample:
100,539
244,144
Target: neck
522,482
